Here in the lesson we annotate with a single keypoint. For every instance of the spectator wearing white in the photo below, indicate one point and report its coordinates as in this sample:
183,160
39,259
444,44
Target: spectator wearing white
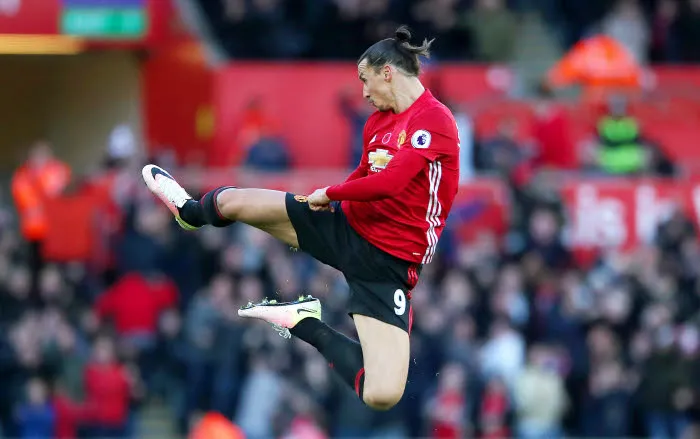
540,397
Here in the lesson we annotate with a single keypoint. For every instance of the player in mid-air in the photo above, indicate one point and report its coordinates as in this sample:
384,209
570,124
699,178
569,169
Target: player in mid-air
378,228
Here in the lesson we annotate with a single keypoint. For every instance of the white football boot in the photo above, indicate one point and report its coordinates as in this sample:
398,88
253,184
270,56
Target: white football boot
164,186
285,315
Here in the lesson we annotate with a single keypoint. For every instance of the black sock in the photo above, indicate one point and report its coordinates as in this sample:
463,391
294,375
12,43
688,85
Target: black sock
344,354
205,211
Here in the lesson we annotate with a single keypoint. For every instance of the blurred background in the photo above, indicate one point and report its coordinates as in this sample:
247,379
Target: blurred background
564,299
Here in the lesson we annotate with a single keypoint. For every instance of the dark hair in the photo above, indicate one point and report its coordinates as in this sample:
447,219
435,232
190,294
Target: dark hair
397,51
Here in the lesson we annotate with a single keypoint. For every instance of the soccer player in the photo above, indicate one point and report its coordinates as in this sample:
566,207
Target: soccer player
378,228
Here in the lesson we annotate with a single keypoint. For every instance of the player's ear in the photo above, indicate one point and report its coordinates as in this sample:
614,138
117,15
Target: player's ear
387,72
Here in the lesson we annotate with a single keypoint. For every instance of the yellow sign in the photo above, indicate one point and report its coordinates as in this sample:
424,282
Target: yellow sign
204,120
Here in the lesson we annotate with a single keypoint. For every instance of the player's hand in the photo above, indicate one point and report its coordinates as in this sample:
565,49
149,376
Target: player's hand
319,200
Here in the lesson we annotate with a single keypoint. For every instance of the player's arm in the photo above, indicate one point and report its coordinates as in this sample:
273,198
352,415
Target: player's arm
425,146
405,165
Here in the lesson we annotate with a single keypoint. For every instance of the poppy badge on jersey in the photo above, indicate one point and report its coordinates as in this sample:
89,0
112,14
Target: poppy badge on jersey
421,139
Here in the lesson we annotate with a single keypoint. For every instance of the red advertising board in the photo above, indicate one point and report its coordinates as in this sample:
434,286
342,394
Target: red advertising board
29,16
482,205
303,101
623,214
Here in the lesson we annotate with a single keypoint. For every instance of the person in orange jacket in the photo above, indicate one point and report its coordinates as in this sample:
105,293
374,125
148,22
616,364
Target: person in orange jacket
215,426
601,65
38,179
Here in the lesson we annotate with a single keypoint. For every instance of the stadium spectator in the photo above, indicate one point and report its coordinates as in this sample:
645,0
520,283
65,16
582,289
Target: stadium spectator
504,154
134,303
606,410
37,416
268,154
494,28
340,29
442,17
664,32
215,424
664,388
42,177
448,409
108,391
211,341
601,65
254,122
260,397
550,129
168,361
620,150
626,24
343,26
540,397
689,31
496,408
503,354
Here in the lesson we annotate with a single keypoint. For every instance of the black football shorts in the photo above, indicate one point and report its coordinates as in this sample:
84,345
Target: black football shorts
380,284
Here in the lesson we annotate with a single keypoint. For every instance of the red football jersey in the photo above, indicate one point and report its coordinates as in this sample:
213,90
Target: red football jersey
401,193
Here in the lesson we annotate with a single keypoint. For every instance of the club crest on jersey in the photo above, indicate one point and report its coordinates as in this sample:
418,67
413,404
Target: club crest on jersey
421,139
402,138
379,159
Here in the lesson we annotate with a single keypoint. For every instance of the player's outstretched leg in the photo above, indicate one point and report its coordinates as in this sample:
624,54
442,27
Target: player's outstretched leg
383,356
260,208
302,318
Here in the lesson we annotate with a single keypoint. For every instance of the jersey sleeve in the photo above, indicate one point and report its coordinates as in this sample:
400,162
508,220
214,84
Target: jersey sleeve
398,174
432,135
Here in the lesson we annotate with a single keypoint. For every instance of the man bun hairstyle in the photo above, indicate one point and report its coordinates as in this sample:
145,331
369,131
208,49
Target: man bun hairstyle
403,34
399,52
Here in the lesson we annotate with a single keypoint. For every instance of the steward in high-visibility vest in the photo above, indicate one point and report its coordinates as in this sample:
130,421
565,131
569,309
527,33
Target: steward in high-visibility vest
40,178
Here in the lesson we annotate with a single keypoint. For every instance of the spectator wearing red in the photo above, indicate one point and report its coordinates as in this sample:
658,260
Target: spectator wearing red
495,406
550,128
448,409
107,392
134,304
69,415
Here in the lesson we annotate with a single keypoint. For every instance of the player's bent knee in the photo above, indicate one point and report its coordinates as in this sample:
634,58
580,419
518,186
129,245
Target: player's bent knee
231,204
382,398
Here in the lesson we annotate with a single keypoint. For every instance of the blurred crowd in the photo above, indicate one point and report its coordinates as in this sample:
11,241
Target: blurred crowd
484,30
512,336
